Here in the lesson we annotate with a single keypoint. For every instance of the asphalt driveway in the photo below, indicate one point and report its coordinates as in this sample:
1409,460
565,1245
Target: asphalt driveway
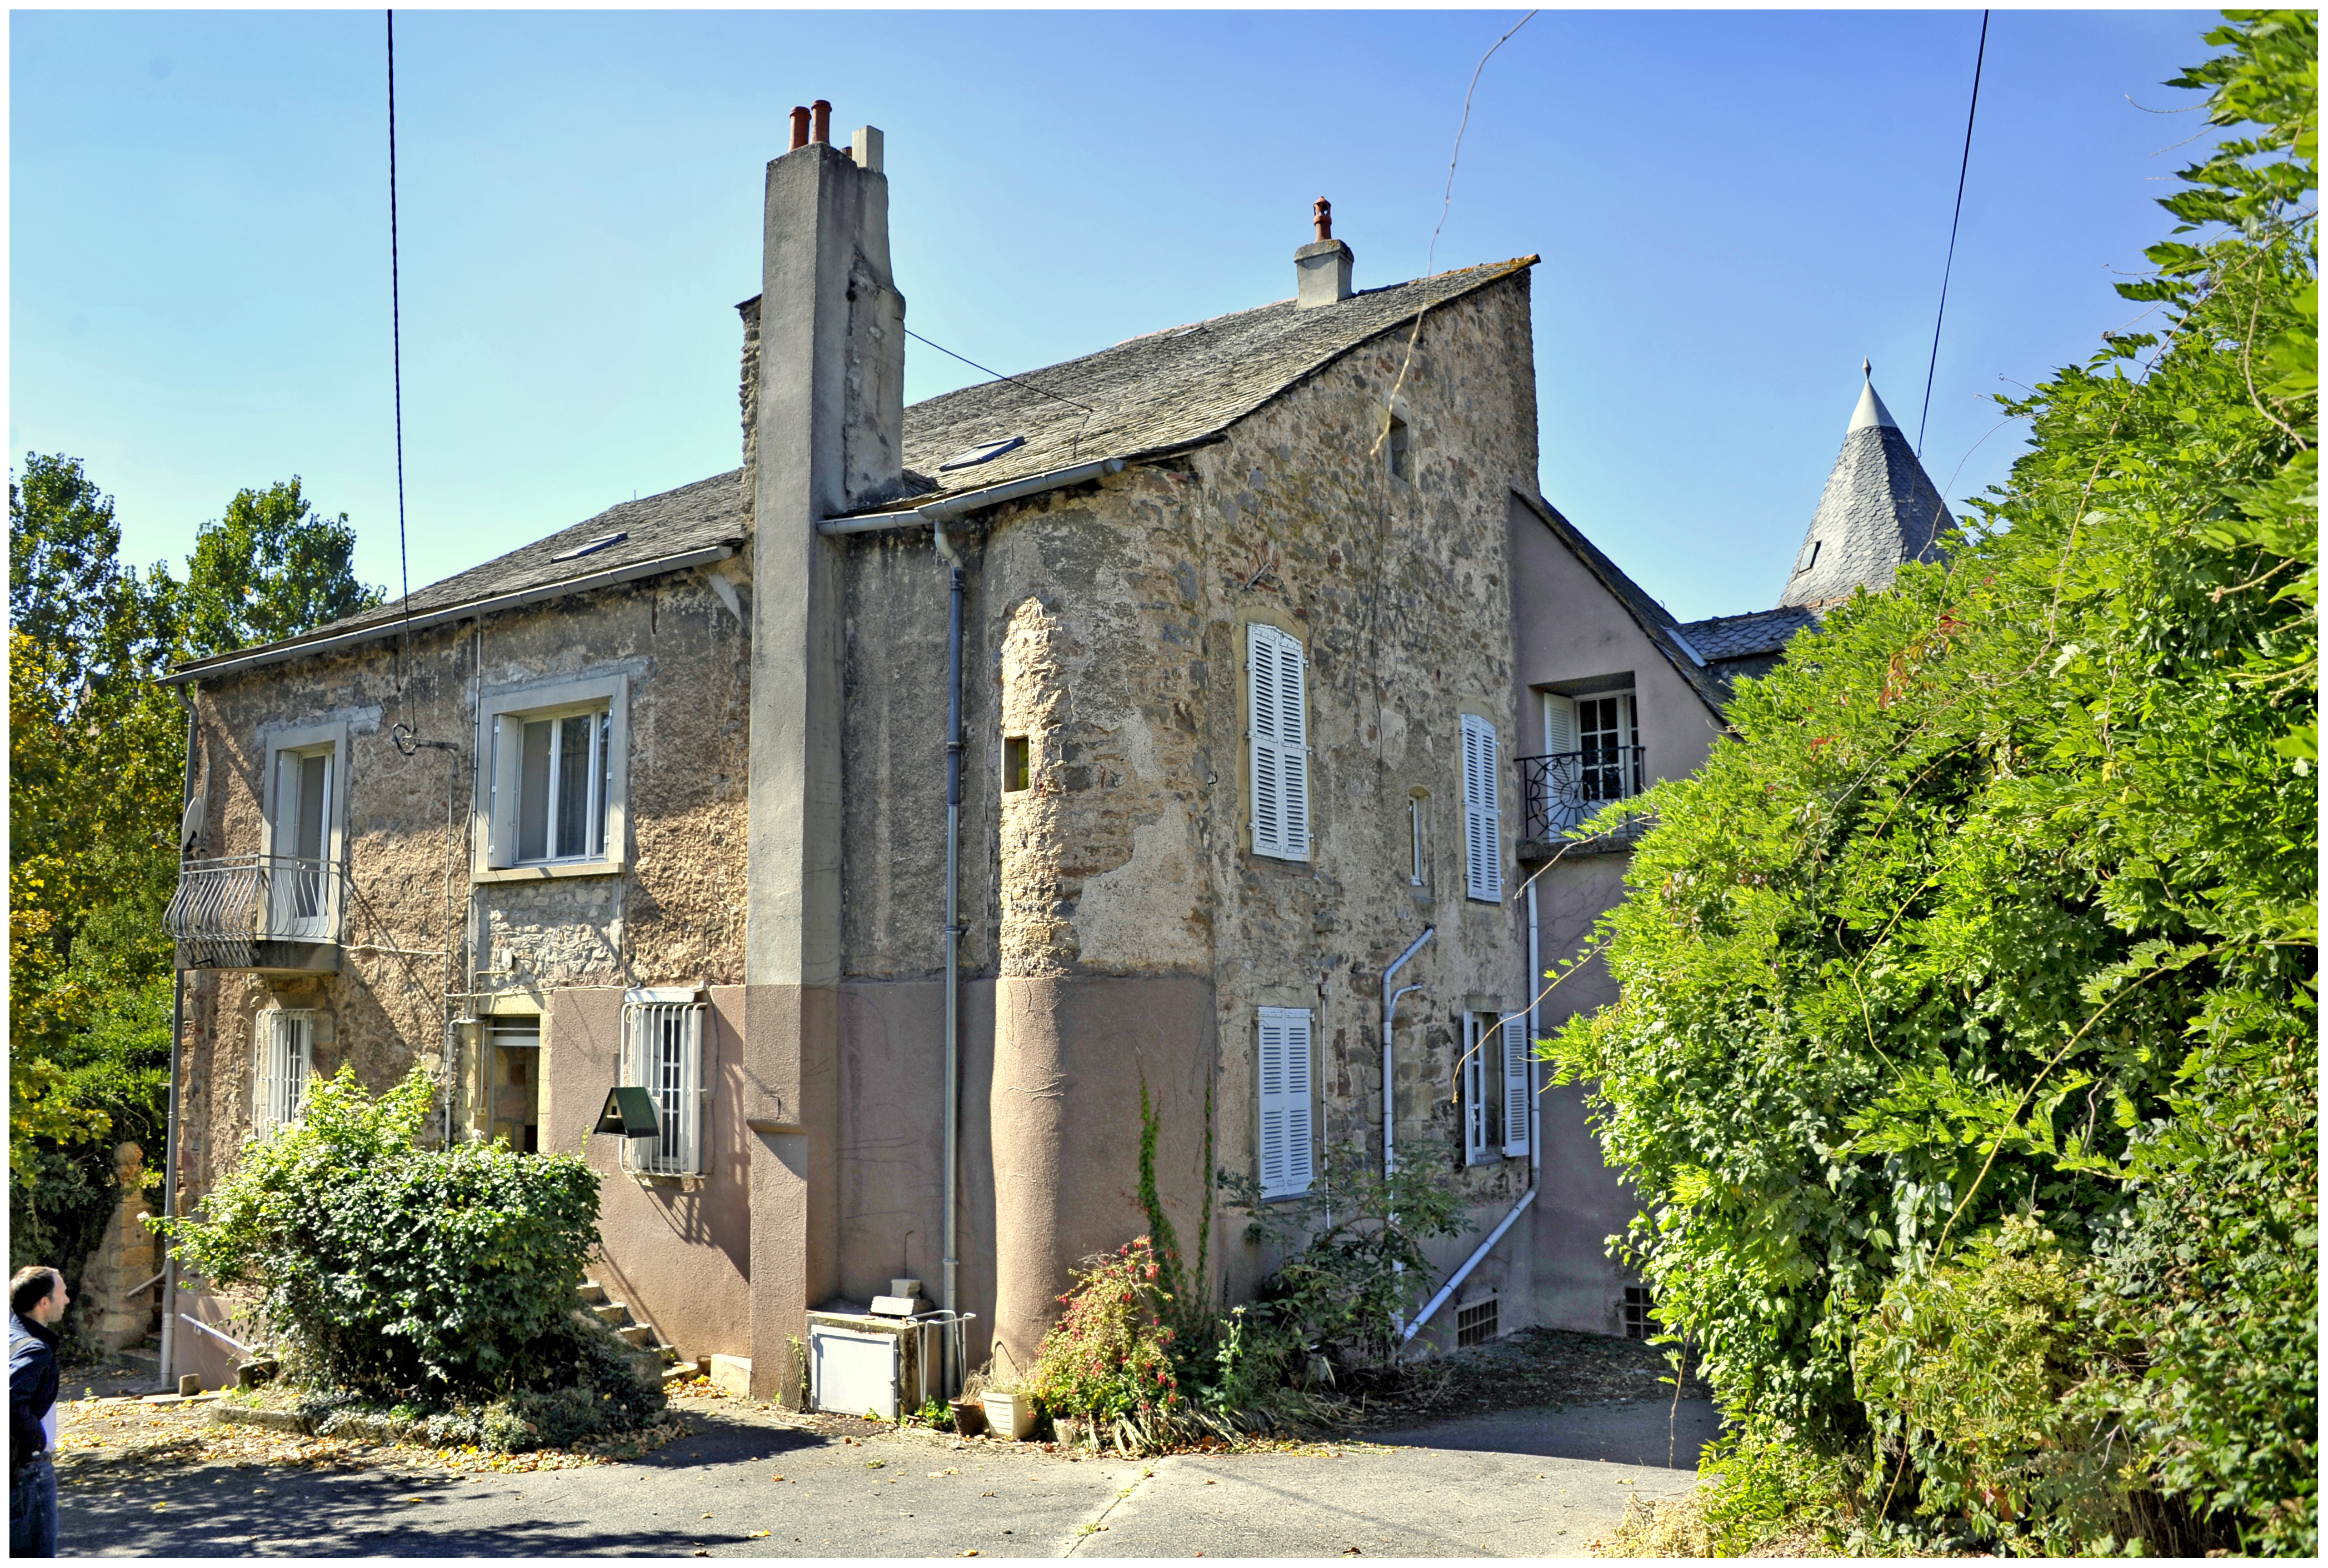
749,1483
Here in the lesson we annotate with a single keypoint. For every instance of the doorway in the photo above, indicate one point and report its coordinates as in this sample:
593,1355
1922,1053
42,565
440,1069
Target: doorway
513,1055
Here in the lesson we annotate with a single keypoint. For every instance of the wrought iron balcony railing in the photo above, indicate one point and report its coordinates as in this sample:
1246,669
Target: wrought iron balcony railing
1560,791
225,909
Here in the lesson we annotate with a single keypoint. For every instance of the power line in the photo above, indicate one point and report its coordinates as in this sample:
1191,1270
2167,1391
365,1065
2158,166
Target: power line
396,352
998,375
1962,168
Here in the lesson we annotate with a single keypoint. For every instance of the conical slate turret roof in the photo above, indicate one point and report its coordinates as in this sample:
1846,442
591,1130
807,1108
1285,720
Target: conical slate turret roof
1879,508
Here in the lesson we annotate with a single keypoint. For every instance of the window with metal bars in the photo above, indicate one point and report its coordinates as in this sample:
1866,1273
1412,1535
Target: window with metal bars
285,1055
1640,1313
1475,1324
662,1053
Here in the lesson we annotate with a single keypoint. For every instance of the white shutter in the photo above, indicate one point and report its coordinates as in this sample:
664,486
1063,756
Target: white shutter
1483,834
501,828
1277,739
1559,724
1285,1138
1519,1093
662,1053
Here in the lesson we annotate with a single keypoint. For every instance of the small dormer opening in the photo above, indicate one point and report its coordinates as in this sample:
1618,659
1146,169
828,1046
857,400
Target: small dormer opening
1401,455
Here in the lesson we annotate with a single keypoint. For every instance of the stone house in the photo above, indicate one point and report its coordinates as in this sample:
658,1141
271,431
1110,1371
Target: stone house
914,808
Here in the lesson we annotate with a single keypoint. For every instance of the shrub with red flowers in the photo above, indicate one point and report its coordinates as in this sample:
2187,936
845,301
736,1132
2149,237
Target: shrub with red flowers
1110,1355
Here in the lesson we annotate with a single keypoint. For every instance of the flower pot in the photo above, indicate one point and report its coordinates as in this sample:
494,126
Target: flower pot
969,1417
1011,1415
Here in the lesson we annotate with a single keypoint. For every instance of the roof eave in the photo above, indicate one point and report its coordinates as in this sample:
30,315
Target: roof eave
327,641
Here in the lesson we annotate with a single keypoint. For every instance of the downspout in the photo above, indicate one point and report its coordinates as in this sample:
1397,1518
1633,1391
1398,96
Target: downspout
1535,1149
952,933
1390,1009
170,1119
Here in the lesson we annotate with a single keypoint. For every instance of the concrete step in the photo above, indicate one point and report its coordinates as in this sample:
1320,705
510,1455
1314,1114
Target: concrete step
613,1315
592,1291
636,1334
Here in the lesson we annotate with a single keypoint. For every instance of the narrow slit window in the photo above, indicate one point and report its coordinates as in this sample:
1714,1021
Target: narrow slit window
1402,453
1017,770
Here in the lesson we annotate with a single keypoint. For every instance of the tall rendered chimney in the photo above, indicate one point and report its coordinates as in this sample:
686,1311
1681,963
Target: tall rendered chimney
828,395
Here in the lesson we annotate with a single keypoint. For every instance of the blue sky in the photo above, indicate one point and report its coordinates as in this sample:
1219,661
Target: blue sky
1732,209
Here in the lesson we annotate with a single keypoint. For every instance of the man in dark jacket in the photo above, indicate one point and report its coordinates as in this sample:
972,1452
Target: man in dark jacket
36,1300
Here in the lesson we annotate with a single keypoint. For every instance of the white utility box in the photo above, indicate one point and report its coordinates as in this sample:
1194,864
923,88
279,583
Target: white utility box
859,1362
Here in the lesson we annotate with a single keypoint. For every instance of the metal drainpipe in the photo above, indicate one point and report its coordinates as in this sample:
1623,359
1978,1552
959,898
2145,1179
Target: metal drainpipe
952,926
1535,1150
1536,1033
1389,1086
1390,1008
169,1121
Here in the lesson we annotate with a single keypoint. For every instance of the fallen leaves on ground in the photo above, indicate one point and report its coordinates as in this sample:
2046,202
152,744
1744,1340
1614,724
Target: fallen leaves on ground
106,1441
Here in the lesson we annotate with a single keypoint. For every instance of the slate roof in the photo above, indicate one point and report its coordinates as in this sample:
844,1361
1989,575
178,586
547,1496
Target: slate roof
1655,623
1879,508
1737,645
1725,637
1144,397
1167,389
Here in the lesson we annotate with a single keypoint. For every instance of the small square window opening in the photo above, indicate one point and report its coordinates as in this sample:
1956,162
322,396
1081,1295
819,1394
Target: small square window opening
1017,770
1640,1314
1475,1324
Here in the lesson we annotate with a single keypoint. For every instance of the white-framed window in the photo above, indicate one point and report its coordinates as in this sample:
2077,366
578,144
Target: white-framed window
662,1053
1278,737
1602,734
556,782
1483,817
1496,1083
1287,1163
305,786
284,1052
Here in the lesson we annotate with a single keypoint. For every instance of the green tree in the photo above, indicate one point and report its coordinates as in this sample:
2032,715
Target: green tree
2001,911
271,568
96,766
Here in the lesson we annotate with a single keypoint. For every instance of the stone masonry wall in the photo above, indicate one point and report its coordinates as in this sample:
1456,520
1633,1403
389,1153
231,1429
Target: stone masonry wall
673,913
1107,623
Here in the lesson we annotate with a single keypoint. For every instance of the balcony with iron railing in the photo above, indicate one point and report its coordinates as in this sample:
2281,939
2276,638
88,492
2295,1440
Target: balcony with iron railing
260,912
1560,791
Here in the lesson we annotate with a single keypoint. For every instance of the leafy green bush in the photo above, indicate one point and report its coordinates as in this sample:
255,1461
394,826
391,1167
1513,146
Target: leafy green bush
1109,1356
442,1278
2003,908
1355,1268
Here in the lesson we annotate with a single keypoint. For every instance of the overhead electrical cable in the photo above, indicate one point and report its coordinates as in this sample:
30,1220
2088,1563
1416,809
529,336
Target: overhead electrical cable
1962,168
396,361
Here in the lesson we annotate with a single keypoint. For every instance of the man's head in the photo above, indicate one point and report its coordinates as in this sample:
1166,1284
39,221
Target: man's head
38,1293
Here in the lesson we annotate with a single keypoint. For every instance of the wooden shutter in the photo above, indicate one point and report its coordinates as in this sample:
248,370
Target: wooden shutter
1519,1091
1559,724
1277,697
1285,1138
1483,832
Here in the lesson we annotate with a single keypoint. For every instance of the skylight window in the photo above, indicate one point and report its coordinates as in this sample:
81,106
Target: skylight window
594,546
986,453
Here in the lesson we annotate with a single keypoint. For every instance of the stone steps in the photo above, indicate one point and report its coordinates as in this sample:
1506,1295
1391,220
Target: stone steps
616,1315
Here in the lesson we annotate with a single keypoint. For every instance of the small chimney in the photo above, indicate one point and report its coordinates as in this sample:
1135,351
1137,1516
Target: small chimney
1321,269
800,126
819,128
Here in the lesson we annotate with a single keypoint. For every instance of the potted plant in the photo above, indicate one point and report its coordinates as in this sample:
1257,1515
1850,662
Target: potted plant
1010,1410
968,1407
